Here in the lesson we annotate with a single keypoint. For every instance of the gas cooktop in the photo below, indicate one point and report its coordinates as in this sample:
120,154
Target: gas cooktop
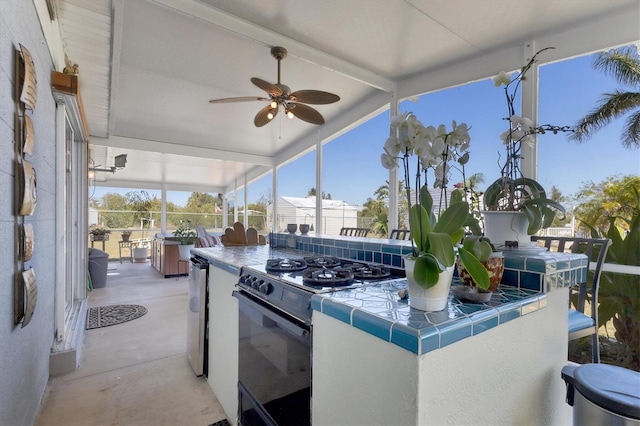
318,274
288,283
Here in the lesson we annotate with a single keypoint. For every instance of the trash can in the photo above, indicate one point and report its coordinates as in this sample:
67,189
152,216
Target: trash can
98,263
603,394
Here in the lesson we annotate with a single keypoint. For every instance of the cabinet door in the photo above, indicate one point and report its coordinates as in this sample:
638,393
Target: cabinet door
171,257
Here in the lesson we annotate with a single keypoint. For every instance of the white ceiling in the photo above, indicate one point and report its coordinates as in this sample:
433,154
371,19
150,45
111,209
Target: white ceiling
149,67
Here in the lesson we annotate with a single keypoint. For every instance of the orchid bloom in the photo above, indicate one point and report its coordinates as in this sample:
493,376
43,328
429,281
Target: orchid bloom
502,78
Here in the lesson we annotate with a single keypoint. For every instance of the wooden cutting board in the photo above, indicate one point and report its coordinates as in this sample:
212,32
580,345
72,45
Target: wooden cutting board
241,236
252,236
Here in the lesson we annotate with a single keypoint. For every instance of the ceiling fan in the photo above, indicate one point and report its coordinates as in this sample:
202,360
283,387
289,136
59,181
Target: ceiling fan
281,95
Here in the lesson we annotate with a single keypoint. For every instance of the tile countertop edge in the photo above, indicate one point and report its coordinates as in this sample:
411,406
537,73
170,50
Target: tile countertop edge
406,328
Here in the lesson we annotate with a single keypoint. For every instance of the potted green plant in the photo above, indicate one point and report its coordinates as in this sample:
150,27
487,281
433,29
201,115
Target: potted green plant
516,206
430,266
99,232
125,235
491,259
186,234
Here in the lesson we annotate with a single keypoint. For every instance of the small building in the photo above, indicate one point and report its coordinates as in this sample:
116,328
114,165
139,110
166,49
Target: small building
336,214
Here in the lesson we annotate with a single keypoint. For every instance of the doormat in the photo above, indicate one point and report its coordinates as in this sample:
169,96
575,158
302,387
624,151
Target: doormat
104,316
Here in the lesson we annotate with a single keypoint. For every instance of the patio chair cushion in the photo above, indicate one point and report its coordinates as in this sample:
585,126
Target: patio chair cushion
579,321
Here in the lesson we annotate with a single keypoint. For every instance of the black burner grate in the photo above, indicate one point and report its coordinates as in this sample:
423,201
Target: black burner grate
285,265
322,261
328,277
369,271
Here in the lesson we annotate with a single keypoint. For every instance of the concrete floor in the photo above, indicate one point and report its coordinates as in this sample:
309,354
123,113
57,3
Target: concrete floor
135,373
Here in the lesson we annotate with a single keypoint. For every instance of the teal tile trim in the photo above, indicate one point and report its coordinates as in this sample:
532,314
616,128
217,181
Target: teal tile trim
336,310
372,324
453,331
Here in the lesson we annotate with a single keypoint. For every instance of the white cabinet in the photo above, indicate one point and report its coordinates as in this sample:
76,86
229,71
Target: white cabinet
223,340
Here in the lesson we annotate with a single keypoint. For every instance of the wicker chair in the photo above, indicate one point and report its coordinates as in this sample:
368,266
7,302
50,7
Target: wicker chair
581,324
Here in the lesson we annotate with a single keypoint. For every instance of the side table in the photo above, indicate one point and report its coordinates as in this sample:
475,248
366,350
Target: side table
127,246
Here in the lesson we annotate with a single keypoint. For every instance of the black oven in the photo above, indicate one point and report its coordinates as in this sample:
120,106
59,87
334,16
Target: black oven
274,365
274,350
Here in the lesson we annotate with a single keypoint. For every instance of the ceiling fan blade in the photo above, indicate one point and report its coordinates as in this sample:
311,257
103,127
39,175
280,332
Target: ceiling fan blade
271,89
306,113
316,97
238,99
262,117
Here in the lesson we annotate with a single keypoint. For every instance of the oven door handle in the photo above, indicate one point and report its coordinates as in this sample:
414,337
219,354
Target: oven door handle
279,319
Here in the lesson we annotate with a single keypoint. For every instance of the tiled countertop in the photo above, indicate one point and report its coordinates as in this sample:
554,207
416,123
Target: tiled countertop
378,310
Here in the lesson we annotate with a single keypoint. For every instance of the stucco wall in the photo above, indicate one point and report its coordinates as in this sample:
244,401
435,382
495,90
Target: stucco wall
507,375
24,352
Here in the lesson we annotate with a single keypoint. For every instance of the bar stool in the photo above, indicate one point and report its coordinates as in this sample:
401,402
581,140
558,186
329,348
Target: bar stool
125,245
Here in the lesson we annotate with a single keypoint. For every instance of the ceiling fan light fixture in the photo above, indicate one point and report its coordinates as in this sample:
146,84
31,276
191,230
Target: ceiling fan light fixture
281,95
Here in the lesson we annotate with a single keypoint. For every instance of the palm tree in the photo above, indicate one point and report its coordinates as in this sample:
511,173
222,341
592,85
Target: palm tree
624,65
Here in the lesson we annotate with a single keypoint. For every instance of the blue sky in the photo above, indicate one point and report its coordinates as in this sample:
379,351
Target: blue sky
568,90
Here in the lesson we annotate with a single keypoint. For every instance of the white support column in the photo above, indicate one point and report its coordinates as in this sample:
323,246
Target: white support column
246,203
225,211
274,204
529,163
235,204
318,185
163,209
393,174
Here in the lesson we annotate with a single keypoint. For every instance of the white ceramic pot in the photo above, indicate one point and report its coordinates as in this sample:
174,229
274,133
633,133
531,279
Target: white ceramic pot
501,227
431,299
184,250
140,254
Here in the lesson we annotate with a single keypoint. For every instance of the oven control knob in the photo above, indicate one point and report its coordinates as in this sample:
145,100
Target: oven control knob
255,284
266,288
244,278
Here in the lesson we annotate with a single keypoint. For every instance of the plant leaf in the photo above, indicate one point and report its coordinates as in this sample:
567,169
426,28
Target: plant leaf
452,218
425,198
426,271
547,216
492,194
441,247
420,226
457,196
534,216
475,268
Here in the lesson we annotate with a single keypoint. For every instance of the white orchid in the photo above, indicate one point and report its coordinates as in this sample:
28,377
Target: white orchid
502,78
435,147
392,146
512,191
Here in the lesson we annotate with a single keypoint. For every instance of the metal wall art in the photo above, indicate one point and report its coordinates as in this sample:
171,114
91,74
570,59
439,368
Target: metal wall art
25,195
29,278
29,92
27,183
27,242
28,136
